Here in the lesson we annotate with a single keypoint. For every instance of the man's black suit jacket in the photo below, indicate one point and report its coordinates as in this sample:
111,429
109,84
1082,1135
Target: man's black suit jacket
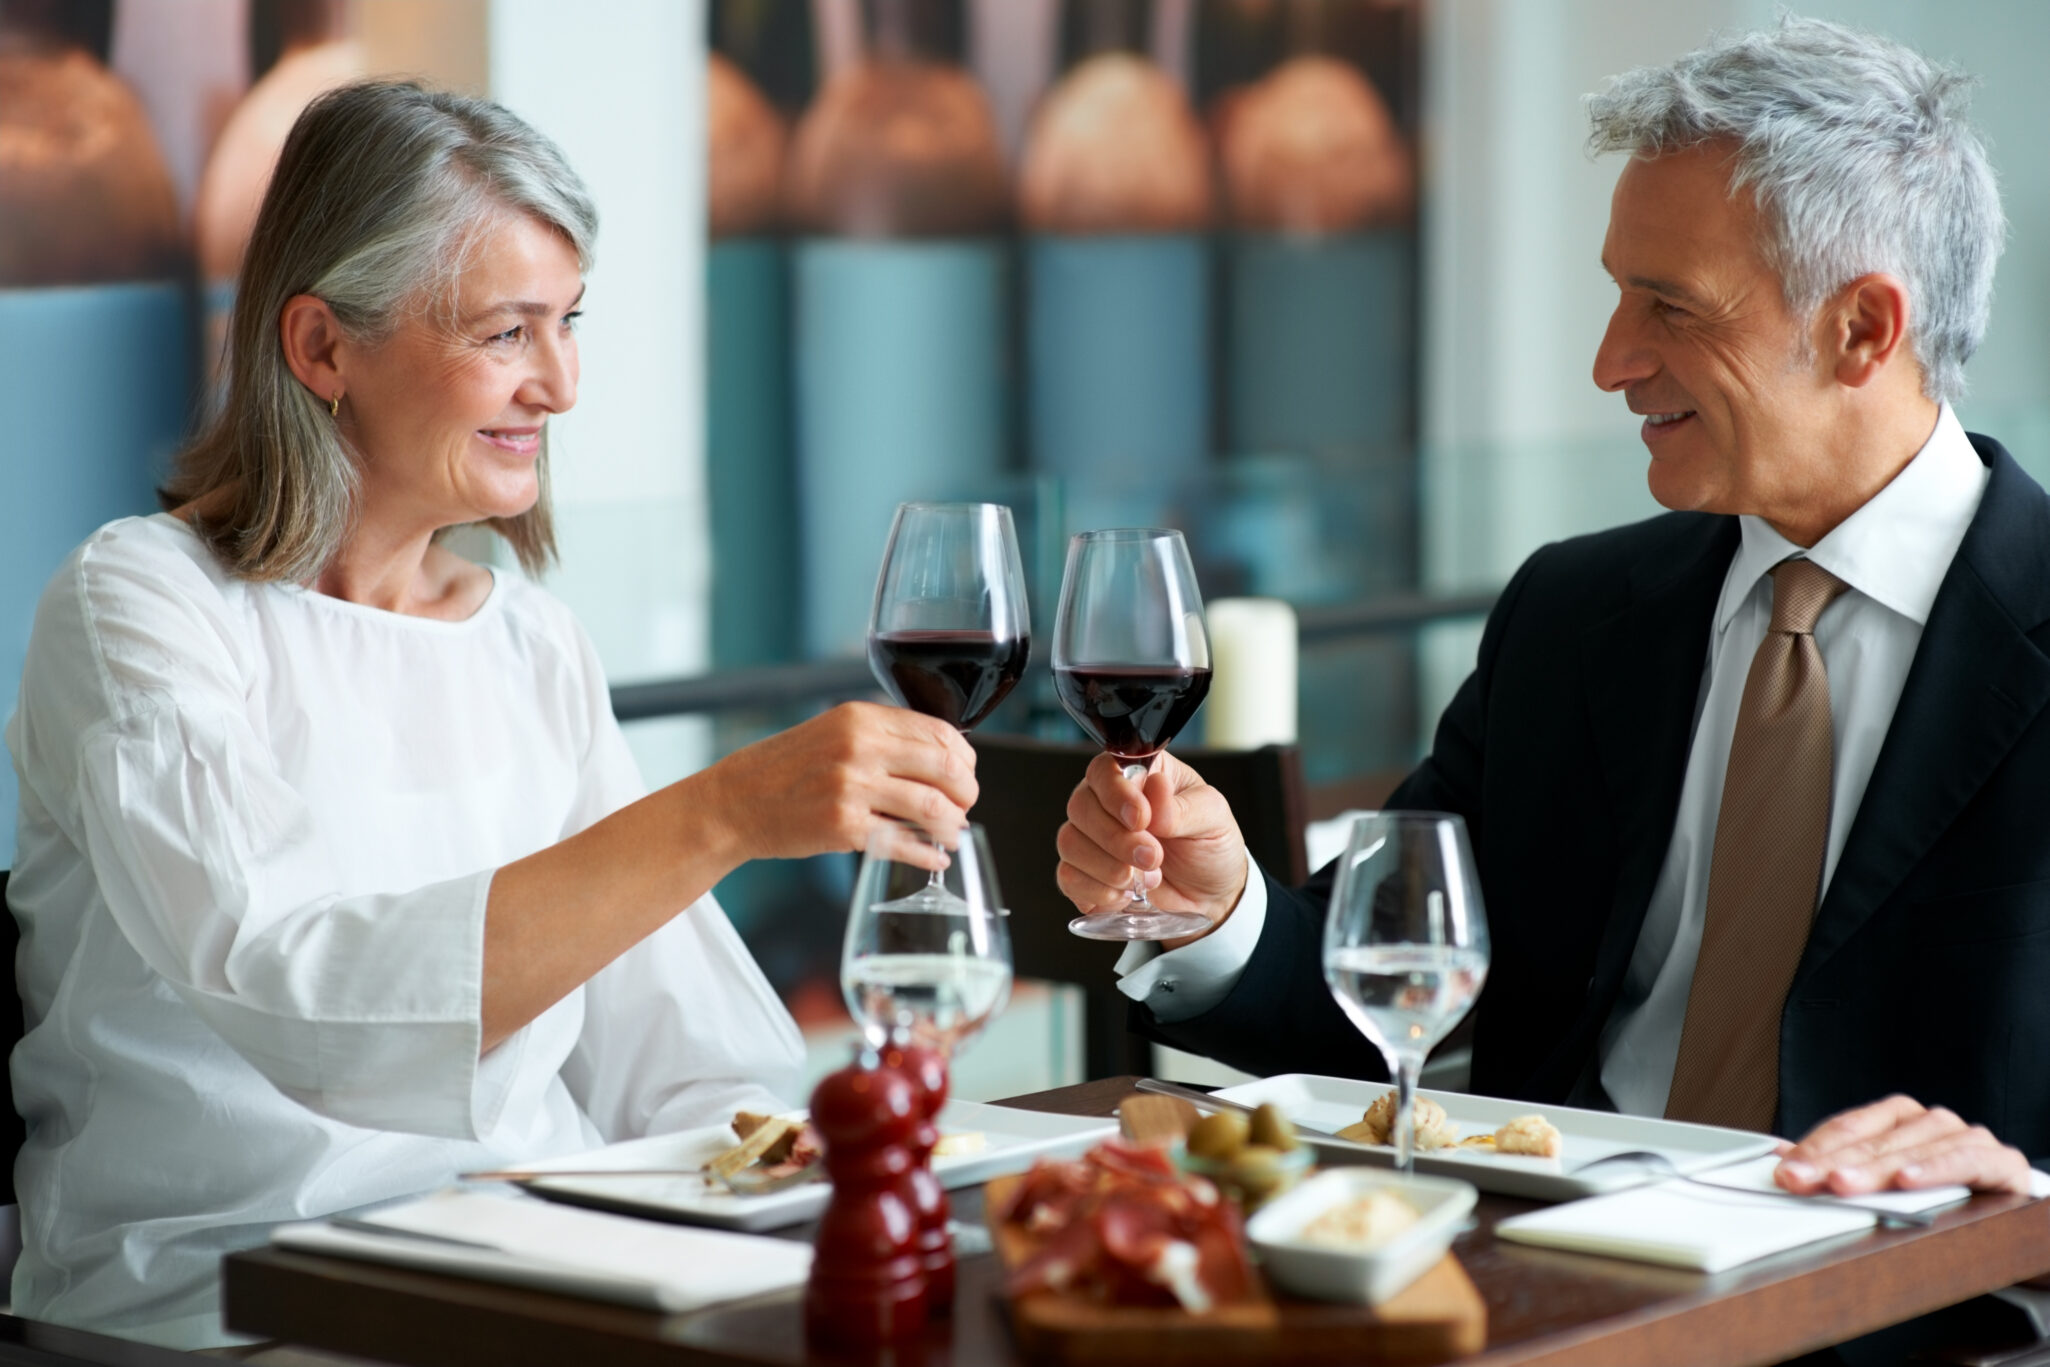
1927,970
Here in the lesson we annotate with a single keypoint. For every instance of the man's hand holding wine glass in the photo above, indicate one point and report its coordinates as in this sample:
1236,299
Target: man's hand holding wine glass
1174,828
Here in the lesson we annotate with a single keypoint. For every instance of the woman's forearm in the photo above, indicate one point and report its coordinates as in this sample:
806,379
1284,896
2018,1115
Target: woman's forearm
558,916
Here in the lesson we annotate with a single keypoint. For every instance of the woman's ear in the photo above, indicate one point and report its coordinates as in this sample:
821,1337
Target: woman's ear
312,337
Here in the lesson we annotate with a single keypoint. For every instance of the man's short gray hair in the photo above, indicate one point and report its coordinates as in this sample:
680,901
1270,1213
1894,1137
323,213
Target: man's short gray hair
1861,159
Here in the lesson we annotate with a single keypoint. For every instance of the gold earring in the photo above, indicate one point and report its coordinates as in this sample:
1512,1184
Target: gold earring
334,405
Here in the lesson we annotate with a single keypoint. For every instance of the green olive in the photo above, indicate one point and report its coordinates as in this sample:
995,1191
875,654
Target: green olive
1218,1136
1272,1128
1257,1170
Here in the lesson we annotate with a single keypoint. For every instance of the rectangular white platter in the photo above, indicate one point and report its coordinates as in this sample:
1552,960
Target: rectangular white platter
1012,1139
1332,1103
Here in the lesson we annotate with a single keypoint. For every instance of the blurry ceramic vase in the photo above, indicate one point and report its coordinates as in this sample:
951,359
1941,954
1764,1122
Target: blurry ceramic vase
91,260
1320,368
1115,194
896,182
315,55
1320,192
750,482
85,196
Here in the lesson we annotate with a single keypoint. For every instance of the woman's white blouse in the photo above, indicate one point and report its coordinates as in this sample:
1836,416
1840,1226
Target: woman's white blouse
258,827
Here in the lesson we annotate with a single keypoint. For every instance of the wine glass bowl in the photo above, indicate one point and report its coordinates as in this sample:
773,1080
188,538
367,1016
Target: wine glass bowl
1406,943
1131,664
920,973
950,633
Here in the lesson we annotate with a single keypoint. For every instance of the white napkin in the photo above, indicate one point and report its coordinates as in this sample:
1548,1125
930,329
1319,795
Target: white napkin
1682,1224
530,1242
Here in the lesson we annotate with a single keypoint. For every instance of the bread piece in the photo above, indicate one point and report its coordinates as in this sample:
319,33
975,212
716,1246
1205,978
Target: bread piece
1433,1130
1156,1120
769,1135
1529,1134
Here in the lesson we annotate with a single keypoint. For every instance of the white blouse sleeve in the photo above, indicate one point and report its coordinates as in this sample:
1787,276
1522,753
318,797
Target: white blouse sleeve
133,728
682,1029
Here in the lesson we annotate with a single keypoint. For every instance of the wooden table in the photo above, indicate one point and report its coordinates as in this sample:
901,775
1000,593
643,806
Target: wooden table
1543,1307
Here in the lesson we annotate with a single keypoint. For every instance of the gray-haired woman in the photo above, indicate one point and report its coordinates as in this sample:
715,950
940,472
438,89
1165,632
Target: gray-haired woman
335,877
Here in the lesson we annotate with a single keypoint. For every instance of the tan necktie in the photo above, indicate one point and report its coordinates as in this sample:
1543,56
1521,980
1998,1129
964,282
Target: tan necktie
1766,872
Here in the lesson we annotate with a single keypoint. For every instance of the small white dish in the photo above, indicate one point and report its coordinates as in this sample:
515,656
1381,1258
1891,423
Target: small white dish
1365,1277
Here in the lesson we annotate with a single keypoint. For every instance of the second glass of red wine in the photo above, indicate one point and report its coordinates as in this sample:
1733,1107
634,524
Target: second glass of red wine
950,632
1131,663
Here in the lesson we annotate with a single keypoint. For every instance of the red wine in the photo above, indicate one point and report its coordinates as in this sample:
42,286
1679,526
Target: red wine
957,676
1131,710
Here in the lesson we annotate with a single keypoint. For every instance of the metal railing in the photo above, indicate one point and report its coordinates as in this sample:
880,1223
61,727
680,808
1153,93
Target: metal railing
831,680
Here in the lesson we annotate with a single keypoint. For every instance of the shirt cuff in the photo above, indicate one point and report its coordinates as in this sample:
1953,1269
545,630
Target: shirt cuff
1181,984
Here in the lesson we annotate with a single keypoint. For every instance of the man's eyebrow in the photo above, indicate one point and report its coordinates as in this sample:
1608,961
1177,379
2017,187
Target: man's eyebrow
1651,284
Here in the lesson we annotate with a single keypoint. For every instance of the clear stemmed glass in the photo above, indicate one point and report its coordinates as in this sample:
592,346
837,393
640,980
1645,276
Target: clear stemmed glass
921,974
1131,663
950,633
1406,943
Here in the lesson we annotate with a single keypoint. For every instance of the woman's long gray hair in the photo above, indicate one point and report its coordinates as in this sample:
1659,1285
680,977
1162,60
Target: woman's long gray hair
378,196
1861,157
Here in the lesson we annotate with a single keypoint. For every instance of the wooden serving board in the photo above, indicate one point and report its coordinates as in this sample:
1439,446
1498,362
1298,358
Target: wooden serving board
1437,1317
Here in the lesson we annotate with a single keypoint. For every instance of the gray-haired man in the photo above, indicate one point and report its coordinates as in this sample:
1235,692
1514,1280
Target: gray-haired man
1757,788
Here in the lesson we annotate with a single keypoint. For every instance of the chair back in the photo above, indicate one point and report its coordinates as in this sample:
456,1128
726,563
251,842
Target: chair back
1025,786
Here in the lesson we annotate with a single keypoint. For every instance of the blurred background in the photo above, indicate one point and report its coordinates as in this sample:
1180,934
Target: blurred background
1314,280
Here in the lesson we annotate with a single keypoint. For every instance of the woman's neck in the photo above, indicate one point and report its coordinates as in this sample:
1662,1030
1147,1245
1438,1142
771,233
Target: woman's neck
407,574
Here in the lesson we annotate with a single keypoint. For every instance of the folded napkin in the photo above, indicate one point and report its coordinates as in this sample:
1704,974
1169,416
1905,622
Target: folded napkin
530,1242
1682,1224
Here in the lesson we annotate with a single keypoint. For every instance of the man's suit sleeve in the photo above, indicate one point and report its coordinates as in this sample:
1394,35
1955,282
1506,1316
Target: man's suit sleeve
1280,1017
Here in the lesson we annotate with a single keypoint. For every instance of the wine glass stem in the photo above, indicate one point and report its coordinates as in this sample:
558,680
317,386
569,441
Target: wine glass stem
1135,891
1406,1070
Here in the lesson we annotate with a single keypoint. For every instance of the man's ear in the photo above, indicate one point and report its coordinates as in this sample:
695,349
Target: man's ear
1865,328
312,336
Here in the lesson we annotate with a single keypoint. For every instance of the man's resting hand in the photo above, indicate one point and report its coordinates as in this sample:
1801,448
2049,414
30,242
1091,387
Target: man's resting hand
1899,1144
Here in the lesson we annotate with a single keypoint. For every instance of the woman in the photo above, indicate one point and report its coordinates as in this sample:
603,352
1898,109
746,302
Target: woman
335,877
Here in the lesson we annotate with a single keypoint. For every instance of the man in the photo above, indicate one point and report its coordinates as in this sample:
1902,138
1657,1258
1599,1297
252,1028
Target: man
1756,788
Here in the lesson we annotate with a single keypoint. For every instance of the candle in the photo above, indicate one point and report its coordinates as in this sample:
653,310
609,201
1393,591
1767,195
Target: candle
1253,680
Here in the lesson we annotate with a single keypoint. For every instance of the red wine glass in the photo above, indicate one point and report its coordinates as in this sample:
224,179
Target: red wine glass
950,632
1131,663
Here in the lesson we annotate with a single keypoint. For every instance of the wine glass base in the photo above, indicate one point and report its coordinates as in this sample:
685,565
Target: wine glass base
1150,924
930,900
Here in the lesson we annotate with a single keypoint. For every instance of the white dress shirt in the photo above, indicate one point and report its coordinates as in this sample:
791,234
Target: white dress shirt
1893,553
258,828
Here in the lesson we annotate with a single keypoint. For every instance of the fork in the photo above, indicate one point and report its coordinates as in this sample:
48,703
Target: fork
1662,1166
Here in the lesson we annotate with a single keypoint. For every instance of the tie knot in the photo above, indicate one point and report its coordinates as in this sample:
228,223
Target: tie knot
1801,589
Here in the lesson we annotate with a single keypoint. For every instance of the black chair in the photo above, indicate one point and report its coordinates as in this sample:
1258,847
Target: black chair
1025,786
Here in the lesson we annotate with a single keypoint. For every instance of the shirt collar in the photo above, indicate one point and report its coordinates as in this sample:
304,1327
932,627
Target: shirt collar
1897,547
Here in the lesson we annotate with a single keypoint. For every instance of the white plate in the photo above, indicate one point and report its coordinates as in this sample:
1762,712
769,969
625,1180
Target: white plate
1332,1103
1012,1139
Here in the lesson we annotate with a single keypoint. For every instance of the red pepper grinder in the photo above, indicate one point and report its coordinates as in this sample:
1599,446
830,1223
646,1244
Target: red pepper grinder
927,1071
867,1284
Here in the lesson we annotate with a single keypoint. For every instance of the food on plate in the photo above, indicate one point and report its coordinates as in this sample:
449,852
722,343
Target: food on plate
1220,1135
1529,1134
1120,1225
773,1145
1254,1159
1161,1121
960,1142
1361,1224
1433,1130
